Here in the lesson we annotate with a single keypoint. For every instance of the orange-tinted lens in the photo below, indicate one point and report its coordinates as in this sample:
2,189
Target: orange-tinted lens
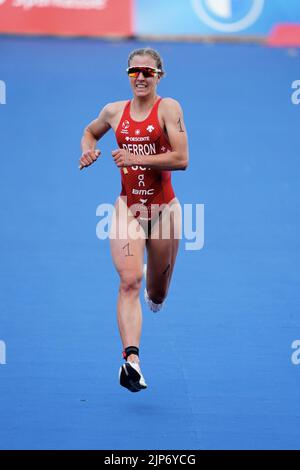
134,72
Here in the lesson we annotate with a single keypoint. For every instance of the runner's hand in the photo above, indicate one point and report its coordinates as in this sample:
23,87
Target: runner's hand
121,157
88,158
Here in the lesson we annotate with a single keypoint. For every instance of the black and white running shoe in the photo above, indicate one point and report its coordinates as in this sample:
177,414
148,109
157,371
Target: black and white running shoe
131,377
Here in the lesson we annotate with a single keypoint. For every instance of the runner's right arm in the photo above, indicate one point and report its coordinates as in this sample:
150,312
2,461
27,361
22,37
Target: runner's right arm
92,133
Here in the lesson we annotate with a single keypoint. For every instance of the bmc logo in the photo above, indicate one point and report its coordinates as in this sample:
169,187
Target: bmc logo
228,16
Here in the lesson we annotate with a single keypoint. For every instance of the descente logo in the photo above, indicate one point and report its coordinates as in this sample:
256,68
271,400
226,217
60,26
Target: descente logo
137,139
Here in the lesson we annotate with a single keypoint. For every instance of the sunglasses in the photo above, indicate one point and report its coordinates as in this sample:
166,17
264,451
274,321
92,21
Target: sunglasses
134,72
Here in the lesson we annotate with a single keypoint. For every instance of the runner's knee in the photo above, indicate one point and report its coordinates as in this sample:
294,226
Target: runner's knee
130,282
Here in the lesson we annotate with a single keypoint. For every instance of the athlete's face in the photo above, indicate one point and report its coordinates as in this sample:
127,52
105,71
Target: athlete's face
142,86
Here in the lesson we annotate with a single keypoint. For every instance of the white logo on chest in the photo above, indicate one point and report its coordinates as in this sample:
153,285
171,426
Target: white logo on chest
150,128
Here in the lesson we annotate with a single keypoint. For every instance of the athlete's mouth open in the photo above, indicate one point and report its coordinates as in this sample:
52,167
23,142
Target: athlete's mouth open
141,86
